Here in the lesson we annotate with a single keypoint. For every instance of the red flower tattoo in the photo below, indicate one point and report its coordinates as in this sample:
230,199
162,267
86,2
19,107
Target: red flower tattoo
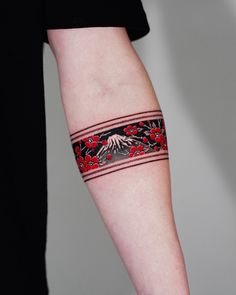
136,151
164,145
92,141
109,156
145,139
78,151
157,148
104,142
130,130
81,164
155,134
92,161
86,163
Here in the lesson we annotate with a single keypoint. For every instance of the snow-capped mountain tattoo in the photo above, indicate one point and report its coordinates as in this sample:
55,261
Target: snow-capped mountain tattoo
120,143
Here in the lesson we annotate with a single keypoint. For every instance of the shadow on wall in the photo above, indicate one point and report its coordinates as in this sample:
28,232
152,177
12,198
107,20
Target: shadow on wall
201,36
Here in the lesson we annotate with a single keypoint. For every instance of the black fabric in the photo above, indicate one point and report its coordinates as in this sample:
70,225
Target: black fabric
75,13
23,169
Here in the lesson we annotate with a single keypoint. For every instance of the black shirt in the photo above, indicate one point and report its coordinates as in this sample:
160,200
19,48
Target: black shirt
23,169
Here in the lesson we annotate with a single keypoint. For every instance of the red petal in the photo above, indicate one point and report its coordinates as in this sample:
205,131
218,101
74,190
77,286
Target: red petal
95,159
81,159
109,156
152,136
87,158
132,149
95,166
145,139
88,145
94,144
140,147
77,149
96,137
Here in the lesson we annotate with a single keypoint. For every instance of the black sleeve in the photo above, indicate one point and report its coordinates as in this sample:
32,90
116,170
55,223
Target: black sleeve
63,14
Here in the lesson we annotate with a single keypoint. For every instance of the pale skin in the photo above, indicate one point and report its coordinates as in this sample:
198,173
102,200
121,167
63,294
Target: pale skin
102,77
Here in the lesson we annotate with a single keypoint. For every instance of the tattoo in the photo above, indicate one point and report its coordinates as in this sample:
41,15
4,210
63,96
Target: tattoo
120,143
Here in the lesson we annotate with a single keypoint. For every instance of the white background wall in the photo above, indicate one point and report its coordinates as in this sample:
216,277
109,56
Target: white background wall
190,57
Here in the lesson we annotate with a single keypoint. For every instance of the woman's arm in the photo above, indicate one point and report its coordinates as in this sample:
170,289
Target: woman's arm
119,140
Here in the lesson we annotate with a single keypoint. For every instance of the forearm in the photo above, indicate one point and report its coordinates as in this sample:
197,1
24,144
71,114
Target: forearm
135,203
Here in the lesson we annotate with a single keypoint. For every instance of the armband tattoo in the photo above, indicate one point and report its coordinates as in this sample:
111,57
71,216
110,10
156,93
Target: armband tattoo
120,143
